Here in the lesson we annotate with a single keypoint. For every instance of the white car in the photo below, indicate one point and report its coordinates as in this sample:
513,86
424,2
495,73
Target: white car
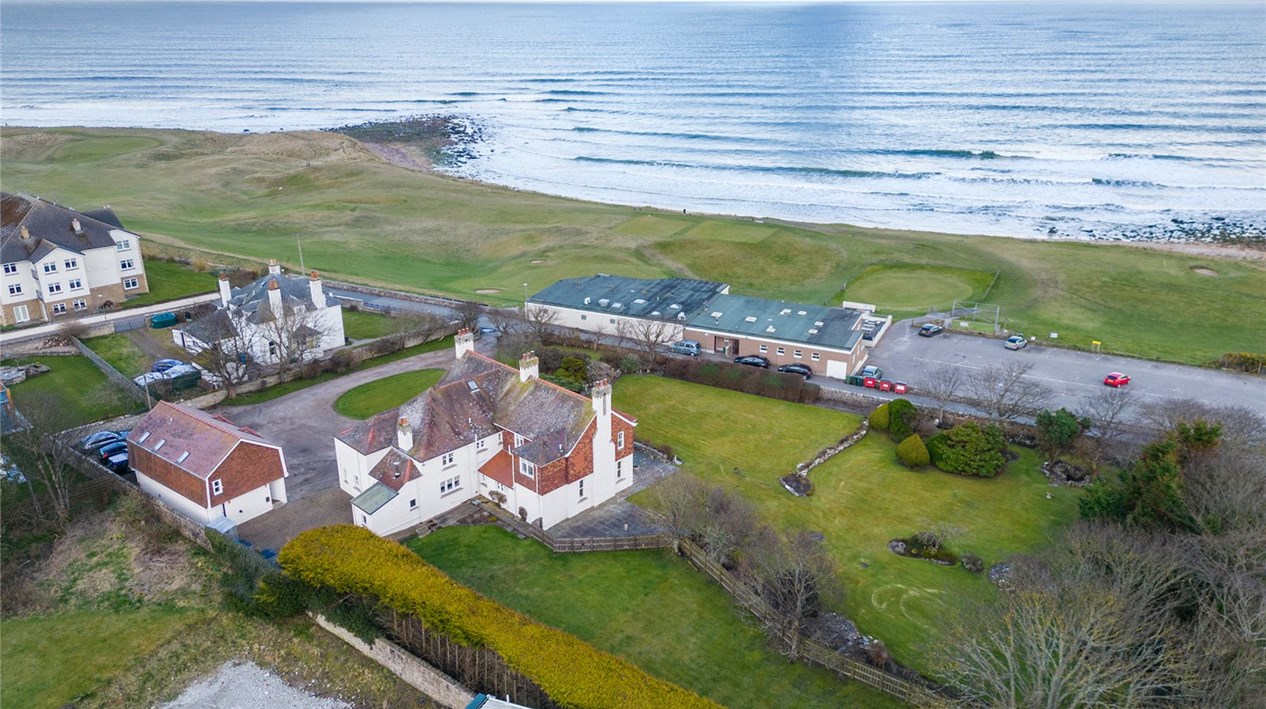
1016,342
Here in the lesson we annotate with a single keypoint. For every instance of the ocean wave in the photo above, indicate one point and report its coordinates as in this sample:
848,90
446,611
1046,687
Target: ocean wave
669,134
766,169
947,153
1124,183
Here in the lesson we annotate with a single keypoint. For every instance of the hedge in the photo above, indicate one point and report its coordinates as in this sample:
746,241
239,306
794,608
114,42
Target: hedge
738,377
353,560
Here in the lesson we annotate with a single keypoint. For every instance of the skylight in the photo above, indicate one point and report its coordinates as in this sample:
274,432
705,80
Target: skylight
182,457
143,437
160,443
769,329
750,318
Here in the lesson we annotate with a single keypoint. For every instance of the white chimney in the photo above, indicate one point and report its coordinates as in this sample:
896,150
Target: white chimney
75,226
273,268
317,290
26,233
602,402
404,435
274,297
603,446
464,342
225,291
529,367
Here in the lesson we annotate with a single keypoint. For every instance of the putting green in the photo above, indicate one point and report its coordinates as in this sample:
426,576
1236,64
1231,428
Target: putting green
916,287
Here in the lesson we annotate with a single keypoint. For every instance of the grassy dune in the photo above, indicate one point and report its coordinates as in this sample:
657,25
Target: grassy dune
363,219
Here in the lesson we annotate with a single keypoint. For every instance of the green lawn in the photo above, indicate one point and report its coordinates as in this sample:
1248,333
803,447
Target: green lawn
862,500
81,390
648,608
121,353
389,392
364,325
280,390
364,220
52,661
171,281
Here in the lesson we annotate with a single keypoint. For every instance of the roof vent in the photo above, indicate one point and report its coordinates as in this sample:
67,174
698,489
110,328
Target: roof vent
750,318
717,313
75,226
639,301
656,313
675,306
681,316
785,311
26,233
813,331
769,329
604,302
818,323
617,306
801,312
588,300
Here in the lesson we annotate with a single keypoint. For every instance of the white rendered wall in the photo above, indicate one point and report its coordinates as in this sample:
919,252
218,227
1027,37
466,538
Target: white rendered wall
599,322
247,506
353,468
175,500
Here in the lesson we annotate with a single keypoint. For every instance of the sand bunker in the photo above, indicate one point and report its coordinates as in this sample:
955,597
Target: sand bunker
487,291
537,260
1203,271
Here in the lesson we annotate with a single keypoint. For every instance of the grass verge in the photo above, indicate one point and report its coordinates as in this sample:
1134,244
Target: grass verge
170,281
863,499
646,607
389,392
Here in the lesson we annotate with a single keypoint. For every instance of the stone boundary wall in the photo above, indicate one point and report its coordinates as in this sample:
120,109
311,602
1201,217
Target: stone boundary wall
93,321
861,397
441,688
386,293
828,453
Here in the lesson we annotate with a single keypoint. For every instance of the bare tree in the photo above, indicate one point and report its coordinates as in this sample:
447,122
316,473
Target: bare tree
291,336
468,315
421,324
45,455
1107,412
678,500
726,523
231,360
1006,392
540,321
647,335
507,320
795,574
942,386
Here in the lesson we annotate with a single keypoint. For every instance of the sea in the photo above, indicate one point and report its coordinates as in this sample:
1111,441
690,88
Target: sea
1098,120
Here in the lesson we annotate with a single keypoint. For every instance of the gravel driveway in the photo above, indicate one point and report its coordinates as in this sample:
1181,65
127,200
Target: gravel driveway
245,685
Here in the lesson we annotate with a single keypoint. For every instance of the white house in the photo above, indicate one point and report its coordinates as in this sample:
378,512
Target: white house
59,262
204,467
276,316
486,429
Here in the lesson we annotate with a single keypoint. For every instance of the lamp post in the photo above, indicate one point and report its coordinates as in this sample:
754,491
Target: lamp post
525,295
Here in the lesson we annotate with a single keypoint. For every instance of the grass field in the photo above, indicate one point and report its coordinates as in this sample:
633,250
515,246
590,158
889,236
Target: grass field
365,220
121,353
364,325
389,392
647,607
862,500
171,281
82,392
51,661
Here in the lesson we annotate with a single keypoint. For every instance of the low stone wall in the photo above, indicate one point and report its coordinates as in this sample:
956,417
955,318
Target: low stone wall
384,293
828,453
441,688
859,397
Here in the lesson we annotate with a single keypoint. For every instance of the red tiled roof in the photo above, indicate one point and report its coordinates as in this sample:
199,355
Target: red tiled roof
499,468
394,470
207,440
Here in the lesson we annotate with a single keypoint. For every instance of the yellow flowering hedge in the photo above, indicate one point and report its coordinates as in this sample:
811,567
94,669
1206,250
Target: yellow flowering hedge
350,559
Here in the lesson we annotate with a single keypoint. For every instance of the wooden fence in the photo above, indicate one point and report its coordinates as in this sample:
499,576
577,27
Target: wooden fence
907,691
577,544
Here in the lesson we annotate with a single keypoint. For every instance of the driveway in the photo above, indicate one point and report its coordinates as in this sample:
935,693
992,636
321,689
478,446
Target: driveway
1072,375
304,423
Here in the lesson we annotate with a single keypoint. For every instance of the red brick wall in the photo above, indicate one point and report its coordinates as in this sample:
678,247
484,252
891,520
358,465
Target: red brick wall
248,467
618,424
185,484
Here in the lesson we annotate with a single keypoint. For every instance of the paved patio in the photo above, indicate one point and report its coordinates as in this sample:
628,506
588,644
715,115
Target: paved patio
618,517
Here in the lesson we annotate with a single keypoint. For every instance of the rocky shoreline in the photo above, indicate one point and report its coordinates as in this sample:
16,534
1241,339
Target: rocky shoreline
431,141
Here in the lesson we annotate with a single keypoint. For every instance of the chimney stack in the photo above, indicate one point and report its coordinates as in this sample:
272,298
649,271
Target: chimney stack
273,268
317,290
26,233
225,291
75,226
529,366
404,435
602,399
274,297
464,342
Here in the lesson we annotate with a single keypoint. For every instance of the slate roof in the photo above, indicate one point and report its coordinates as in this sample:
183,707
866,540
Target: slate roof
211,328
372,500
813,325
296,294
207,439
475,399
49,226
635,297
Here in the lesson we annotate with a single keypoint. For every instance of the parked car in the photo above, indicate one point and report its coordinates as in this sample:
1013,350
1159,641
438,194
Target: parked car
118,463
112,449
98,439
163,365
1016,342
752,361
872,372
1116,379
801,369
148,378
687,347
930,330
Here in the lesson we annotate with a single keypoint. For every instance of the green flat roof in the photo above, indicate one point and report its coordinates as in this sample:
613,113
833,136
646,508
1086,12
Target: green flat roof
372,500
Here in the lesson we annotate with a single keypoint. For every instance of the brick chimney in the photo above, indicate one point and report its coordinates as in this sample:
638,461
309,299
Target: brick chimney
316,289
529,366
464,342
404,435
225,291
274,297
273,268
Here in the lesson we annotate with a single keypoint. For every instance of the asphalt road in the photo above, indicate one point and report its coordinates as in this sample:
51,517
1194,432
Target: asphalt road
1072,375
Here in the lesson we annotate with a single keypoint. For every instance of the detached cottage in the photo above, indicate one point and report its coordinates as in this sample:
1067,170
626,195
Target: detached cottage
537,449
58,261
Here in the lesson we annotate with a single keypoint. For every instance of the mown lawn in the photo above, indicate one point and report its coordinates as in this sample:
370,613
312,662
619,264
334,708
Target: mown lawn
368,221
52,661
121,353
862,500
647,607
389,392
280,390
81,392
171,281
364,325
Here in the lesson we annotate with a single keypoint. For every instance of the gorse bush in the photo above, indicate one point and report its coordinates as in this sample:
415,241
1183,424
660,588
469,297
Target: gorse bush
352,560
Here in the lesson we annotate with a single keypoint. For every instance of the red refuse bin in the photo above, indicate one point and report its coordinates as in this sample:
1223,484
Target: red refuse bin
885,385
870,382
899,387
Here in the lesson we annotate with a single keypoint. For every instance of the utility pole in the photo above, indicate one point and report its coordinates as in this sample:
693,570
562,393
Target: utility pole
302,269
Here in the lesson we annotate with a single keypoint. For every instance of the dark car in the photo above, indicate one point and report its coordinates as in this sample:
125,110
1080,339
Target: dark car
118,463
163,365
98,439
930,330
752,361
801,369
112,449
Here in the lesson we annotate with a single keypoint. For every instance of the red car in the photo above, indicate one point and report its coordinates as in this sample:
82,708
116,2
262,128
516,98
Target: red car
1116,379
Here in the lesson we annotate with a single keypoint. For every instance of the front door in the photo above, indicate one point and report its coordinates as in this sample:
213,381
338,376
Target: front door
721,345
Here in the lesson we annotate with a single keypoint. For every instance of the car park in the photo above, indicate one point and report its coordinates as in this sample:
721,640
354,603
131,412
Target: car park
802,369
752,361
930,330
1116,379
163,365
687,347
1016,342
